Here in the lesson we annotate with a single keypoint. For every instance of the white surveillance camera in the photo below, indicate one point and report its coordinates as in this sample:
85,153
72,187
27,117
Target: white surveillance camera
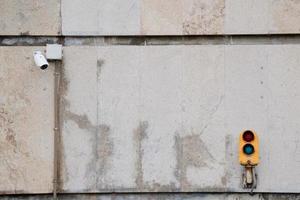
40,60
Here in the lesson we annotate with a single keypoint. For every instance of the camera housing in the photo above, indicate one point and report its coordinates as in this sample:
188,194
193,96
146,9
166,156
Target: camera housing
40,60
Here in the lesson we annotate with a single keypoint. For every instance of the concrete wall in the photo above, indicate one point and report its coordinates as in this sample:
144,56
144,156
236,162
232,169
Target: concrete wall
150,114
148,17
33,17
179,17
153,119
26,123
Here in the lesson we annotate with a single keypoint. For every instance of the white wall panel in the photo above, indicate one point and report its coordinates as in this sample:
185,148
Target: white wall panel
167,118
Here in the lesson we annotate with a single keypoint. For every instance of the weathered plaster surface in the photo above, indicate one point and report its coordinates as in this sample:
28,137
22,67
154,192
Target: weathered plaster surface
146,17
180,17
30,17
153,119
161,17
26,122
247,17
263,93
262,17
144,118
204,17
150,118
100,17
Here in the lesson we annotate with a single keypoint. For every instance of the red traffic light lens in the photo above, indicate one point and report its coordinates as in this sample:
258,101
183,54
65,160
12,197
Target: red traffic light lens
248,136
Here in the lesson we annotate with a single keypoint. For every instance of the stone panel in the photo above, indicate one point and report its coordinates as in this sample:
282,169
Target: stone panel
247,17
100,17
30,17
187,17
142,118
262,93
161,17
180,17
26,123
145,119
204,17
132,17
285,16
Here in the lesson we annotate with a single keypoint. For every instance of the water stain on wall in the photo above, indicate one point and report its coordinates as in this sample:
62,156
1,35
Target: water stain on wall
102,144
100,64
140,133
190,151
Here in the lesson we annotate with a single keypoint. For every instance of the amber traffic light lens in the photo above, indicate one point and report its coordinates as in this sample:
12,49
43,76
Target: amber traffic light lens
248,149
248,136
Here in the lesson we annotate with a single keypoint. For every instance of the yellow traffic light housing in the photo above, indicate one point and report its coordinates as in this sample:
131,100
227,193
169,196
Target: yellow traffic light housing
249,148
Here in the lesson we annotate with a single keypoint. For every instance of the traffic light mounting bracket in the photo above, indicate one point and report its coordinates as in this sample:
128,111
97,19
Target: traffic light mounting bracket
249,177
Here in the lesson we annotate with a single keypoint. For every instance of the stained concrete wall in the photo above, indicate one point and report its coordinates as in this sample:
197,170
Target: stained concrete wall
179,17
153,119
150,118
148,17
146,119
30,17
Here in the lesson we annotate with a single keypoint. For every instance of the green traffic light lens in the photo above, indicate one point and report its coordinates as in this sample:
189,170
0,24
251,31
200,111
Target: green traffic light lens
248,149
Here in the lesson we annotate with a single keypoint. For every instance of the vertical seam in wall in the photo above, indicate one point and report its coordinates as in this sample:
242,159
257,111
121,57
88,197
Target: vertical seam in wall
97,20
58,183
224,18
224,117
60,17
269,17
140,29
97,116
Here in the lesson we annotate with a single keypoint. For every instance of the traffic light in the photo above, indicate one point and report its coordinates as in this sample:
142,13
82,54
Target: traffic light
249,149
